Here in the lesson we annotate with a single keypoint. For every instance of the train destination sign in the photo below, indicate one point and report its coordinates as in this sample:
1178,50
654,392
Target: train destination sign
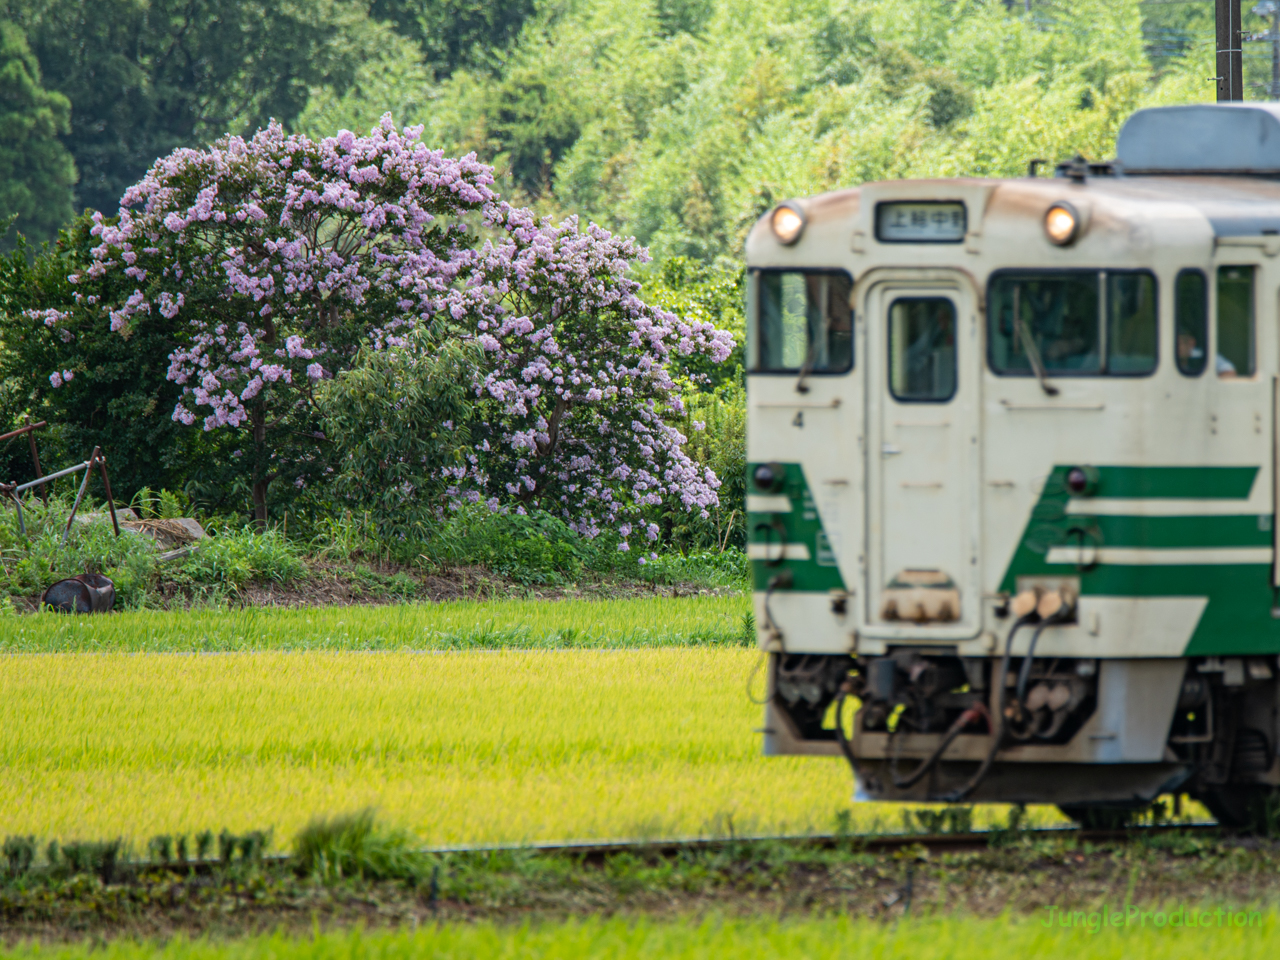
920,222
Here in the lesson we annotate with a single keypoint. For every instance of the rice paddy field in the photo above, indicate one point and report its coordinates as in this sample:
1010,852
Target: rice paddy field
456,625
464,723
943,938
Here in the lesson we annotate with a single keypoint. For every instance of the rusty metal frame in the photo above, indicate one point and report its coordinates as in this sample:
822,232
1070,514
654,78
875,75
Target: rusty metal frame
96,459
29,430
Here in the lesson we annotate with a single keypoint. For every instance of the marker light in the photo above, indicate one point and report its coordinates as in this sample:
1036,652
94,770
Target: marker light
769,476
1082,481
788,222
1062,224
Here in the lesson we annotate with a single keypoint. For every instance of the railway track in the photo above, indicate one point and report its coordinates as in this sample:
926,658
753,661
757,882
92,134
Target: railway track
593,851
871,843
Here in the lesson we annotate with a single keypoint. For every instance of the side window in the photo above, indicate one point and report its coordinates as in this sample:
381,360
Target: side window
1235,322
1191,322
1131,323
1072,323
804,322
922,349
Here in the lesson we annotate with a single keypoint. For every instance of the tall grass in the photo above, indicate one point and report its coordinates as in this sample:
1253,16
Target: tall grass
457,625
462,748
620,938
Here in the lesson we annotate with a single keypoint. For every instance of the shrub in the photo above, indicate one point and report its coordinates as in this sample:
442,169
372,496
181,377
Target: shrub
711,568
355,845
535,548
235,557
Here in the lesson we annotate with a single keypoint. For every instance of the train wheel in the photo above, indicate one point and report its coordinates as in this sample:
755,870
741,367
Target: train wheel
1250,807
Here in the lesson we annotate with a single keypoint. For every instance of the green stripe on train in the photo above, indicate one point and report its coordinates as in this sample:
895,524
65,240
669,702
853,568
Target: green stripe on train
800,525
1237,619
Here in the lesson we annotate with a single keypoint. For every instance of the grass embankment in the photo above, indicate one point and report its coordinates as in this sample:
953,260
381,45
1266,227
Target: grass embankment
455,625
838,938
461,748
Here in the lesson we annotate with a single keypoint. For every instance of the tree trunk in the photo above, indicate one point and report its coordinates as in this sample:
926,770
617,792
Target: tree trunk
260,503
258,420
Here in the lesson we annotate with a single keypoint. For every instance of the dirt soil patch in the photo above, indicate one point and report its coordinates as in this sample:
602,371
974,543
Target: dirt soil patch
330,584
747,879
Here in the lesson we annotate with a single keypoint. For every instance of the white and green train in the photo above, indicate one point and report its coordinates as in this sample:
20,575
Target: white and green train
1012,455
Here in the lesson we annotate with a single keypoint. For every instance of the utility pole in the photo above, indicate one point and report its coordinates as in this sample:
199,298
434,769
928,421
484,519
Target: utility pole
1230,50
1271,8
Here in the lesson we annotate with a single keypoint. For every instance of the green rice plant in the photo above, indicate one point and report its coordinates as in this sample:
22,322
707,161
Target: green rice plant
80,857
506,746
948,937
712,621
19,853
356,845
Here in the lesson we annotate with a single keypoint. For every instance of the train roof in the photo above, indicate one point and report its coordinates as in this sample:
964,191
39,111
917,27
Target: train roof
1217,165
1202,138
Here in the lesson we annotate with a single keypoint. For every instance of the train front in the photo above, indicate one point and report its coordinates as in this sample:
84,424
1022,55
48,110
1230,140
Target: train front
974,455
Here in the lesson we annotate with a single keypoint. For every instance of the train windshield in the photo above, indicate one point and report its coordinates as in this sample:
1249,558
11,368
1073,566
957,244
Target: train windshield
1073,323
804,322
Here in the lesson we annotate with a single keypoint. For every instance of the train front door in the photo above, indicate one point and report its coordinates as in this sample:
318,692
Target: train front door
923,365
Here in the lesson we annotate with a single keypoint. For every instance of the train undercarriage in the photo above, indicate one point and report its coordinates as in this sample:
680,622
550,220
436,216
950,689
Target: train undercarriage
922,723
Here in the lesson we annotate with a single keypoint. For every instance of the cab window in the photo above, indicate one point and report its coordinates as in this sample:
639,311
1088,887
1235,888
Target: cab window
1235,322
804,322
1072,323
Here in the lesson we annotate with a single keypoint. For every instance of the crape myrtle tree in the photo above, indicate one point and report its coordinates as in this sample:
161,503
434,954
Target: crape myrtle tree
277,258
576,397
570,405
283,262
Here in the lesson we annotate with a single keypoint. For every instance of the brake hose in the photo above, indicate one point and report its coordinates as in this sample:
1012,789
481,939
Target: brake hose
997,734
962,721
1024,673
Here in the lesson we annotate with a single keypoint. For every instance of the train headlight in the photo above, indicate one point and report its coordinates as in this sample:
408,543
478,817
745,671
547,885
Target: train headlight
769,477
788,222
1062,224
1082,481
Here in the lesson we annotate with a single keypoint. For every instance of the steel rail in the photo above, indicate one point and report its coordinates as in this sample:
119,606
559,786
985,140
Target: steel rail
870,842
598,850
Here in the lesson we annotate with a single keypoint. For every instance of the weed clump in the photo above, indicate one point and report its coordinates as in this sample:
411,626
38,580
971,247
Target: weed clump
355,845
85,857
19,853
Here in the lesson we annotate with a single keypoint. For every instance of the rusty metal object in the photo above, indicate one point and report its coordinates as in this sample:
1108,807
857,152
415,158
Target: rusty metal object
21,430
106,482
96,459
30,430
87,593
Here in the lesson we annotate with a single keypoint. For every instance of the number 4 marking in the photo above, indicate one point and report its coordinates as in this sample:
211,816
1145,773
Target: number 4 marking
799,420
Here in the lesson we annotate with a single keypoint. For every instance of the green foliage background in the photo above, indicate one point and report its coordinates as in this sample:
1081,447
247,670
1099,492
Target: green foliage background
678,121
36,171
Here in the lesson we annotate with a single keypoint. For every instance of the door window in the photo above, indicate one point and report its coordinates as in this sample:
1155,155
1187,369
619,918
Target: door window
804,322
1235,322
922,349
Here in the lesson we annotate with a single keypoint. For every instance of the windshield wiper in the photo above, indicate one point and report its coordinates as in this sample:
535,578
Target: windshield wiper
806,368
1029,345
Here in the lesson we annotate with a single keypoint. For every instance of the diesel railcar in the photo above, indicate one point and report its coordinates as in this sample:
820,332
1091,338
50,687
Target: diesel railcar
1012,475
